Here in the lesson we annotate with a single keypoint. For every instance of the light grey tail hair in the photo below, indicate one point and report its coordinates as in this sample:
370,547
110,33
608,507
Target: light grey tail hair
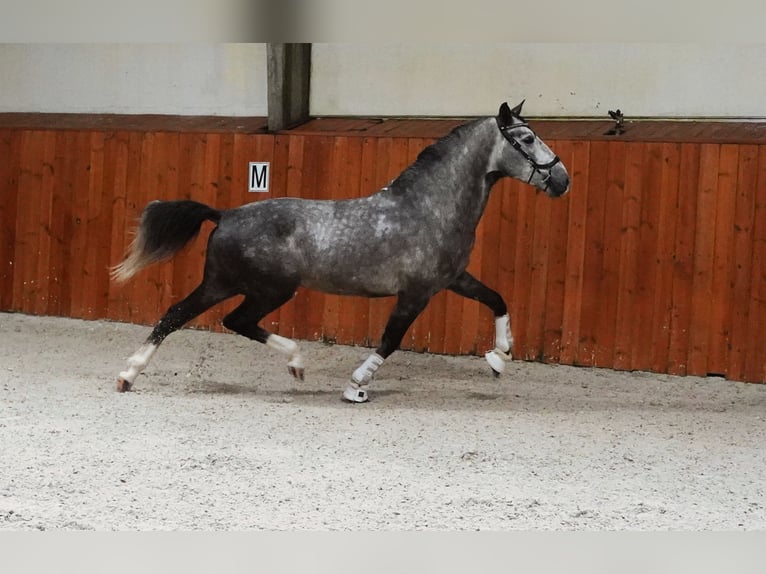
164,228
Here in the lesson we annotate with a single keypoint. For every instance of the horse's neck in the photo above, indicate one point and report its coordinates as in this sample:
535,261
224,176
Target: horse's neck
455,188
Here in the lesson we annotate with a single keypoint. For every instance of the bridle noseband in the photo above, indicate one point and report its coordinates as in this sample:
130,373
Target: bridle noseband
537,167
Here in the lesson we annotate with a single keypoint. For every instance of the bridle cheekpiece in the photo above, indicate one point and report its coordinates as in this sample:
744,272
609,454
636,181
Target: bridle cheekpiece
537,167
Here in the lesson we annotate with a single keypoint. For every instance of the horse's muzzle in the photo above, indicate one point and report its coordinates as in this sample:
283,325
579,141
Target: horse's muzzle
557,181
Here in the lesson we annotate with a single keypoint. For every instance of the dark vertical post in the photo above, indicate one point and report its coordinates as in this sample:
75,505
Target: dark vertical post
289,73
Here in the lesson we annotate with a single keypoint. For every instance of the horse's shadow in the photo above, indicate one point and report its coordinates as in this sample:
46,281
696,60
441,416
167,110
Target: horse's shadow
460,388
414,383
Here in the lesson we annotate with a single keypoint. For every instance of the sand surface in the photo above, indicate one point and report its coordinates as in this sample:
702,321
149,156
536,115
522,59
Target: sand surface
218,436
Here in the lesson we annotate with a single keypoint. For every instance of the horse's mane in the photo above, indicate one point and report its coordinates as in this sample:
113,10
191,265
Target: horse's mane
431,155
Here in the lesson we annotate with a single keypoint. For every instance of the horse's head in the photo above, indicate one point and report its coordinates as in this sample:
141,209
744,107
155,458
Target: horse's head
525,157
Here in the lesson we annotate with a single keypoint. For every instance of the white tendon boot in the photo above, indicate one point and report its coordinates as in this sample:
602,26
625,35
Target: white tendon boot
501,354
356,391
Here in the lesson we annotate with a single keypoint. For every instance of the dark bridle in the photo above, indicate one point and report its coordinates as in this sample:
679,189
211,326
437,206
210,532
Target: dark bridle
537,167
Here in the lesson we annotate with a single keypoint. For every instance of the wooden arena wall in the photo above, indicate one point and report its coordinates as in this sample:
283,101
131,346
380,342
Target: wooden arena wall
656,259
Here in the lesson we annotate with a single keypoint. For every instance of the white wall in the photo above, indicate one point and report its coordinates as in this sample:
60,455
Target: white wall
557,80
657,80
186,79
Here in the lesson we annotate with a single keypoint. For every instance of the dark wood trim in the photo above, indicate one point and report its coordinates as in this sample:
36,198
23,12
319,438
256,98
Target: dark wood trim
289,78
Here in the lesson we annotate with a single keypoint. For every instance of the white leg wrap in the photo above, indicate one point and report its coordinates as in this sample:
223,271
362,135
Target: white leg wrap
138,362
356,391
287,347
501,354
503,336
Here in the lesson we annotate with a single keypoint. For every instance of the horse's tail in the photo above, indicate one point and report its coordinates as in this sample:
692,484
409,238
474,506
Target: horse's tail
164,228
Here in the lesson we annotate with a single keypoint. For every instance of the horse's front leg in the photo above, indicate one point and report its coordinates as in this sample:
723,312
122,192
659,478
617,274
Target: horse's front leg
408,307
468,286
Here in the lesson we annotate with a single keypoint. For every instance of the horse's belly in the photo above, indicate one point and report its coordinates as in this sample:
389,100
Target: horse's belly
352,285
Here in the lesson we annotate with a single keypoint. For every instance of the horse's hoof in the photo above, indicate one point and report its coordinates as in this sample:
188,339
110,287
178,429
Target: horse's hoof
296,372
123,386
497,360
354,394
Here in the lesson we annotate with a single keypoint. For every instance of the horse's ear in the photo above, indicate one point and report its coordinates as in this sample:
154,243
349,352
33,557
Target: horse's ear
505,115
517,110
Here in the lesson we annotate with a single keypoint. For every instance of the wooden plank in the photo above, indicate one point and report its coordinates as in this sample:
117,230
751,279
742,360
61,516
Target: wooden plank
118,153
667,131
133,206
647,259
666,240
67,166
43,277
557,266
98,233
704,246
79,155
629,264
10,149
25,258
755,360
609,280
522,250
588,340
226,174
538,278
722,301
683,258
742,259
61,122
103,259
578,216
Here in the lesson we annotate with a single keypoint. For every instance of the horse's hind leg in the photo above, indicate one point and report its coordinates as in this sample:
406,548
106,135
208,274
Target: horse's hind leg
407,308
468,286
199,301
244,320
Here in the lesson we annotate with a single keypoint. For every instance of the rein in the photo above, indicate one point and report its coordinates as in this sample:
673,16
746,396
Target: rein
537,167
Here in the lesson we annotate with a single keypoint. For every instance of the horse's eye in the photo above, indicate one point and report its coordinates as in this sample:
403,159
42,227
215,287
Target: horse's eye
529,140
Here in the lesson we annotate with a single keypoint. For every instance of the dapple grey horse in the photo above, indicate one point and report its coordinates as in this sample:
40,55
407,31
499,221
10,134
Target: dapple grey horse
410,239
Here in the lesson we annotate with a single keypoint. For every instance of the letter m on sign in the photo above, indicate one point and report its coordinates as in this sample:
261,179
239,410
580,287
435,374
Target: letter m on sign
259,176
